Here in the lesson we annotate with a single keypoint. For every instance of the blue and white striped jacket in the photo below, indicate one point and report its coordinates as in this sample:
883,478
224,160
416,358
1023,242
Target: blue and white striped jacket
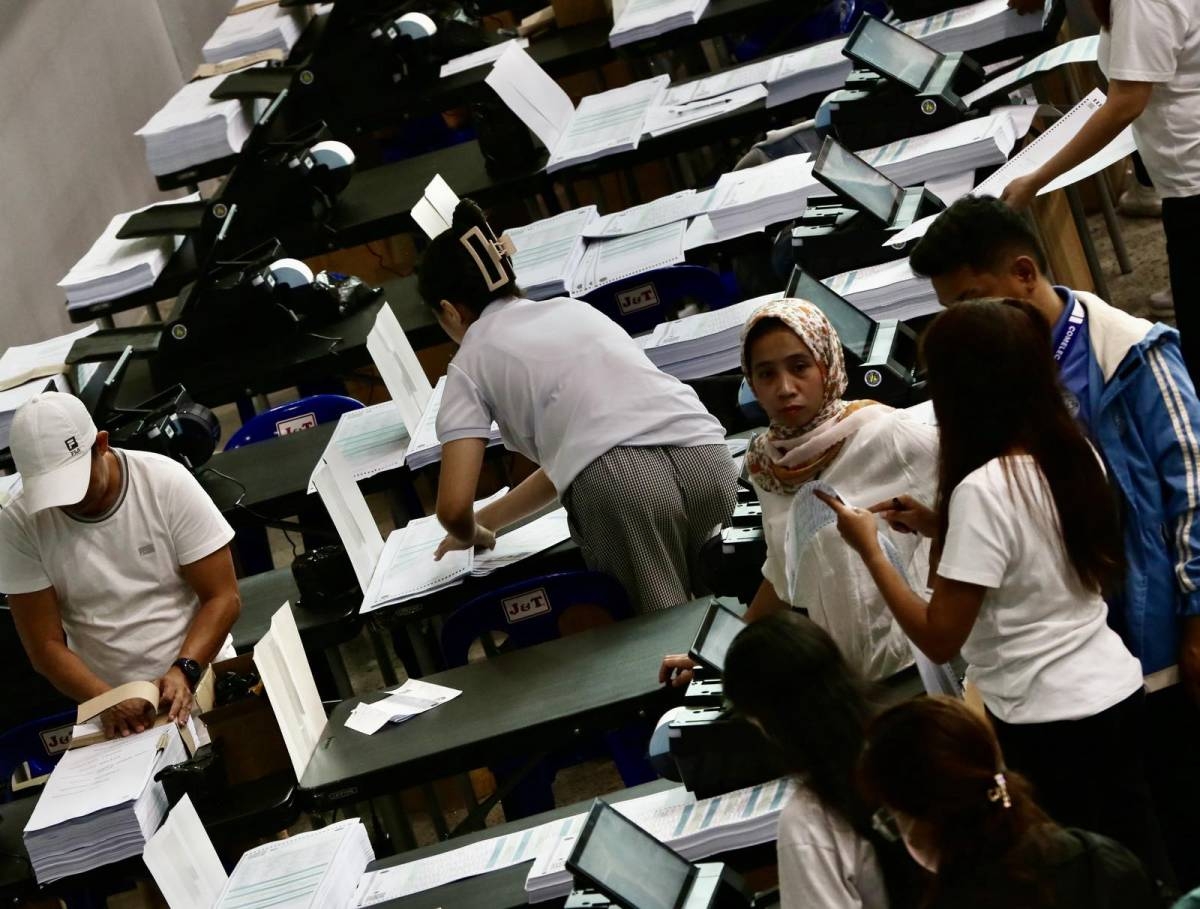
1146,423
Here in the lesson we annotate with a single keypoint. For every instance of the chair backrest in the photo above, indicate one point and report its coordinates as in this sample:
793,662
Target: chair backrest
639,303
40,742
530,611
294,416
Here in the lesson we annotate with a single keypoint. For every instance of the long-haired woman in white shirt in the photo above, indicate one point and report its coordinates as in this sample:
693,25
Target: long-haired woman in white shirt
1028,533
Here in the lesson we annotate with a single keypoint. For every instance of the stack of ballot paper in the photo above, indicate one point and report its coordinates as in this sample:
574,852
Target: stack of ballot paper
616,258
969,27
411,699
318,869
604,124
1041,150
114,268
642,19
748,200
694,829
101,804
821,68
522,542
271,27
424,448
668,117
982,142
12,398
701,345
680,206
548,251
23,363
887,291
192,128
489,54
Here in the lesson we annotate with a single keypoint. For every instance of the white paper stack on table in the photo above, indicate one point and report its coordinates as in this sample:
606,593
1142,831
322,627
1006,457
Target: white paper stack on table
1041,150
642,19
101,804
114,268
392,571
271,27
745,201
972,144
887,291
415,876
821,68
616,258
680,206
23,363
701,345
424,448
480,57
522,542
411,699
549,250
969,27
318,869
604,124
193,128
668,118
694,829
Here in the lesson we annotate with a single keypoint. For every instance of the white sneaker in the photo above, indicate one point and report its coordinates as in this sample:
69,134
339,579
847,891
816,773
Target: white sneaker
1162,303
1140,202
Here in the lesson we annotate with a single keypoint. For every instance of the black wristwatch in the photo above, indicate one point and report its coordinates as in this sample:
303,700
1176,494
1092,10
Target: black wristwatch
191,671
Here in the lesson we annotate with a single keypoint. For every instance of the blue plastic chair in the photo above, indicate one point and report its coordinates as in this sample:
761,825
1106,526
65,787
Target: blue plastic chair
294,416
639,303
530,612
254,553
836,18
34,743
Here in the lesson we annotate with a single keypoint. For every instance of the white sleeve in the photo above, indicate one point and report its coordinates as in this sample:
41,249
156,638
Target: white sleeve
979,539
463,413
198,528
815,875
1147,37
21,568
917,451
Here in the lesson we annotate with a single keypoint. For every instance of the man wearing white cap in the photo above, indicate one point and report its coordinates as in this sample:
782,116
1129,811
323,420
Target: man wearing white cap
116,564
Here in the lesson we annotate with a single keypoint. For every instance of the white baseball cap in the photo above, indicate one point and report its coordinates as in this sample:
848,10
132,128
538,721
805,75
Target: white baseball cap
51,442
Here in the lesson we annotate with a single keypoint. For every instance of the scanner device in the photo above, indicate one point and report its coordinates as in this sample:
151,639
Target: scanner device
900,87
853,230
618,864
881,356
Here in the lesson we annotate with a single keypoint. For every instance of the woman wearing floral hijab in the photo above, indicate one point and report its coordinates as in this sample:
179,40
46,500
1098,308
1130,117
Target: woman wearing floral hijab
868,452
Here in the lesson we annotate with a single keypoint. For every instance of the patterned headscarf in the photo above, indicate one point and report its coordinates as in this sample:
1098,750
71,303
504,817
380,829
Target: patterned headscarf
784,458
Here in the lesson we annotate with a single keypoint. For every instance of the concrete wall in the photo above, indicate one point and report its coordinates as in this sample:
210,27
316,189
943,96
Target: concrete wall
77,77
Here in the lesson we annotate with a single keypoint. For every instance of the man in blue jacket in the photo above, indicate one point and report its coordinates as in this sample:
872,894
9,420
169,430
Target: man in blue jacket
1124,378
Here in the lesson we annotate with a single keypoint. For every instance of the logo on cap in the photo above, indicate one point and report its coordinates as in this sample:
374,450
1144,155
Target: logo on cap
72,445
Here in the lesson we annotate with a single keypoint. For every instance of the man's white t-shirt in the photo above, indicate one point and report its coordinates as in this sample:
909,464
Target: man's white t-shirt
125,605
565,384
1159,41
1041,649
822,861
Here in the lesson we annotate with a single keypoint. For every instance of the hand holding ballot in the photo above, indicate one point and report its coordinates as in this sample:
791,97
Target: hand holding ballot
483,539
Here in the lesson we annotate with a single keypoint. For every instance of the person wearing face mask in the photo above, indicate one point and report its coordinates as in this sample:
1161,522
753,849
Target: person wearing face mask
792,358
937,770
640,466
